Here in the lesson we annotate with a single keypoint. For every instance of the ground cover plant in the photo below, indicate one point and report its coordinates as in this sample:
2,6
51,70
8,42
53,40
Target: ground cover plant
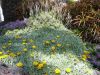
45,47
48,48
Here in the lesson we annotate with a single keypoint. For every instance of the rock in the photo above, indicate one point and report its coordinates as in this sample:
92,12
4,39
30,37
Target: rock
8,70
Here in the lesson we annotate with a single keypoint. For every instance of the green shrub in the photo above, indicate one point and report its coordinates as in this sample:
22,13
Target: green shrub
45,19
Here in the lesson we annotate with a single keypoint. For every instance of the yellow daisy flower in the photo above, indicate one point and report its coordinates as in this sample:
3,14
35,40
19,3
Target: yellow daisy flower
1,53
47,43
58,45
4,56
53,48
44,62
32,54
84,59
24,43
35,63
34,47
18,53
68,70
20,64
84,56
25,49
57,71
86,52
40,66
12,55
53,41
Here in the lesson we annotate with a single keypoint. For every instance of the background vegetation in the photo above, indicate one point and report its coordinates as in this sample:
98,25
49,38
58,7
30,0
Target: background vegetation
43,44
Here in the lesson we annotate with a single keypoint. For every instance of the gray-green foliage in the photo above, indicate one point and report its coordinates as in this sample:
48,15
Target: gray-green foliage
45,19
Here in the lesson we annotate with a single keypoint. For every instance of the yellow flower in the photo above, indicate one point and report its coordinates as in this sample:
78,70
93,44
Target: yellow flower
53,41
35,63
57,36
32,54
18,53
40,66
84,56
25,49
47,43
58,45
1,53
24,43
3,56
53,48
31,40
88,56
84,59
68,70
12,54
19,64
57,71
86,52
44,62
34,47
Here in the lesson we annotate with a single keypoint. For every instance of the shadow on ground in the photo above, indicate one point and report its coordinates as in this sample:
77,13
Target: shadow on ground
5,26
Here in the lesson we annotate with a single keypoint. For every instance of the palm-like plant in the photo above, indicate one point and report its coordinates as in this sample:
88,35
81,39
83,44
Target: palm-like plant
81,20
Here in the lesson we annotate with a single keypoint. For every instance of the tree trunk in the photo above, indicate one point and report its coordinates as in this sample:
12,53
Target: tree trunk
12,10
1,14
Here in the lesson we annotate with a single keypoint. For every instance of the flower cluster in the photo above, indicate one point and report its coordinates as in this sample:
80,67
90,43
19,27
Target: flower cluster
85,55
2,55
29,54
40,64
